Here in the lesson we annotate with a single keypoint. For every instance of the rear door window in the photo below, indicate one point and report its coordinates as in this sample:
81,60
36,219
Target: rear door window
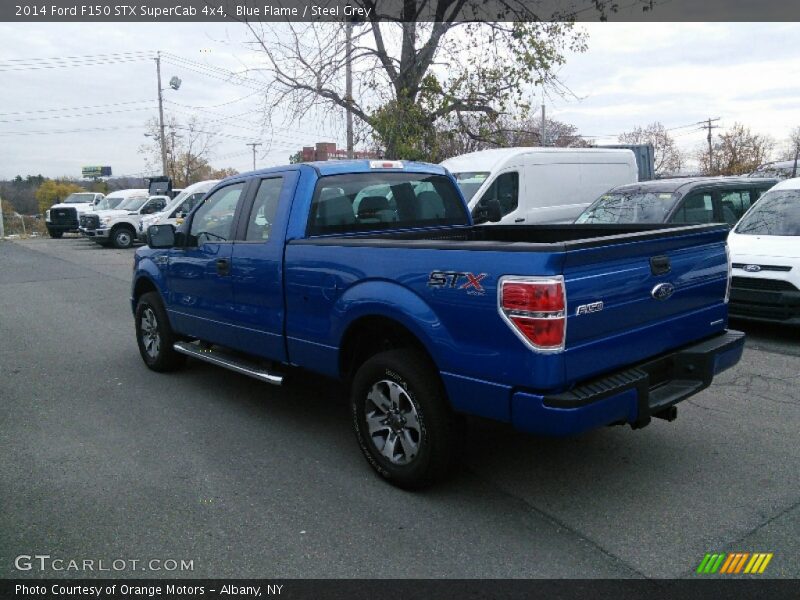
734,203
262,214
698,207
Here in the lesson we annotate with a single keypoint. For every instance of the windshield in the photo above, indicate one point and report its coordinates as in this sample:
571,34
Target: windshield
470,182
134,203
79,198
629,207
384,200
776,213
109,202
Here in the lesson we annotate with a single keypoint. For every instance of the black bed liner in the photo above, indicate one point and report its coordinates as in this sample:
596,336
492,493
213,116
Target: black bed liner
511,238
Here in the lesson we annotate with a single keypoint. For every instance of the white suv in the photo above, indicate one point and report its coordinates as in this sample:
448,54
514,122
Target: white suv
765,252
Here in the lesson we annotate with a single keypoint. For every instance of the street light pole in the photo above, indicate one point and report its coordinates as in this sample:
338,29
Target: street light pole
161,116
348,84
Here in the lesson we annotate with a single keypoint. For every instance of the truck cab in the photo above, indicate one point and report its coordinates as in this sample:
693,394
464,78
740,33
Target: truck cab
65,216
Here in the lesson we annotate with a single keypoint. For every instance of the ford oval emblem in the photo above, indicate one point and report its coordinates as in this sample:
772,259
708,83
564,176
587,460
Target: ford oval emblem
752,268
662,291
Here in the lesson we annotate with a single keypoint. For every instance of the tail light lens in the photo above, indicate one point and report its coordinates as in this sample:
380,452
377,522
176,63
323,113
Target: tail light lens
535,309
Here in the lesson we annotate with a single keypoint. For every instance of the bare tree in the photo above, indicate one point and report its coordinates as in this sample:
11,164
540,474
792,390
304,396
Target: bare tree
455,138
410,75
739,151
791,151
667,157
189,149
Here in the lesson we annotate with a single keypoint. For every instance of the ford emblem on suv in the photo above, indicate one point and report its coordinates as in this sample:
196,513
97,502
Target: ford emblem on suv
662,291
752,268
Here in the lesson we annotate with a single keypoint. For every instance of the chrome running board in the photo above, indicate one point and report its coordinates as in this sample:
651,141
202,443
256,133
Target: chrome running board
228,361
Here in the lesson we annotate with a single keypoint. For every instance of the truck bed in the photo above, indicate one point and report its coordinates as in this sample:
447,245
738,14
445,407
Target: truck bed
526,238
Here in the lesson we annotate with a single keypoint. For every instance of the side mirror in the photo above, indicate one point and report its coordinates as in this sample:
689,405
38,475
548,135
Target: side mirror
494,214
161,236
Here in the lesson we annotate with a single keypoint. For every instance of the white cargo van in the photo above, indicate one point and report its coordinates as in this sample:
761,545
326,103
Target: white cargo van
538,185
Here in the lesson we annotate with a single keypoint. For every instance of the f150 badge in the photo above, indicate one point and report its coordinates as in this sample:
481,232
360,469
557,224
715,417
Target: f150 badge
470,282
585,309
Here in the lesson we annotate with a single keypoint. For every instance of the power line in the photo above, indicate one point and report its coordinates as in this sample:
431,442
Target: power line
60,131
148,53
68,108
215,105
65,65
79,115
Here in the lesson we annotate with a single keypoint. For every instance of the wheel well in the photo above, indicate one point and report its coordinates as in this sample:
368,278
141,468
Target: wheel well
368,336
143,286
125,225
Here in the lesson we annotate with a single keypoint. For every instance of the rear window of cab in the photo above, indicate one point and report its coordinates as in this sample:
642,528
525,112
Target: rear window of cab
360,202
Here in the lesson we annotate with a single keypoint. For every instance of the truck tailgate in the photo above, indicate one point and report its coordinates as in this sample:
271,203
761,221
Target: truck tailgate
628,301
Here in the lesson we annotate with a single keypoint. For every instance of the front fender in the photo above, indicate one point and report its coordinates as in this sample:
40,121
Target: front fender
147,270
389,299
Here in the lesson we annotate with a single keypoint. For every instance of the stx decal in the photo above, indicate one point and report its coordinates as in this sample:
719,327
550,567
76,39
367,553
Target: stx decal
458,279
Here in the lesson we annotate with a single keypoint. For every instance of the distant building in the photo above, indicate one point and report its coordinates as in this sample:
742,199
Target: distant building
329,151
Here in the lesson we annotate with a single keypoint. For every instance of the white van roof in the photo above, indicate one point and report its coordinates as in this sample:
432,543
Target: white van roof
489,160
128,193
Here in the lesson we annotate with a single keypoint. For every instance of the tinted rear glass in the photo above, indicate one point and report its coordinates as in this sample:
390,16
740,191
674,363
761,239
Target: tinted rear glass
384,200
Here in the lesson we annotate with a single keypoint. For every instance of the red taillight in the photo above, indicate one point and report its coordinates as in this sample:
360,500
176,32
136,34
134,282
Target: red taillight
536,310
547,296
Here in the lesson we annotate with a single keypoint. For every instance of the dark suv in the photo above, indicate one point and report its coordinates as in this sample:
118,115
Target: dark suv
678,200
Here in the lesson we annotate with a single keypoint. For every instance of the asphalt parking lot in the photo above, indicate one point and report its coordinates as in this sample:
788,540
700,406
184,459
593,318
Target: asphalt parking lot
101,458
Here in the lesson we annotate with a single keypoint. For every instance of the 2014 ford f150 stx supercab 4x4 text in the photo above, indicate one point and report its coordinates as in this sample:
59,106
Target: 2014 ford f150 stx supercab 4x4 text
371,272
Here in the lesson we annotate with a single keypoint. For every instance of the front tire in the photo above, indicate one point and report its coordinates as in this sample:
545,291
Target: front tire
401,419
154,335
122,238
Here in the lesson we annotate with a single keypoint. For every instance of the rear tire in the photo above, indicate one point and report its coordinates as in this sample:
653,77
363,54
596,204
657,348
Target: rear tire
56,235
401,419
122,237
154,335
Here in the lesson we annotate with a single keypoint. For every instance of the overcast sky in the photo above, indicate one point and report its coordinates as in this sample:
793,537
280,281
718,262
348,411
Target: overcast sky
632,74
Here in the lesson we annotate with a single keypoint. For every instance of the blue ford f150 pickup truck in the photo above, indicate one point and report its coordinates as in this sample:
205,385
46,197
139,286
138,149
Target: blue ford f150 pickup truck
371,272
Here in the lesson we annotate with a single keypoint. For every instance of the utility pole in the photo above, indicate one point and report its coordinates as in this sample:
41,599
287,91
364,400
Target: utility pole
543,133
2,231
162,139
253,145
707,124
348,84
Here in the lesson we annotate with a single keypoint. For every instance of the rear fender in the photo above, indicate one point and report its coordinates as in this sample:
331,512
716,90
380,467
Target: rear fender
382,298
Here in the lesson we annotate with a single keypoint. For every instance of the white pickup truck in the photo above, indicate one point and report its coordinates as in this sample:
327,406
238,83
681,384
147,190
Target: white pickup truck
64,216
118,227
